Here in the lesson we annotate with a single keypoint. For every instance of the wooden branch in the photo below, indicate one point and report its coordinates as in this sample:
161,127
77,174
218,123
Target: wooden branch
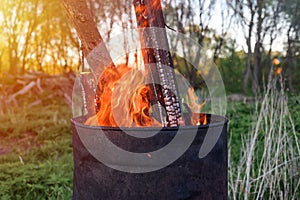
24,90
155,49
35,103
94,48
34,84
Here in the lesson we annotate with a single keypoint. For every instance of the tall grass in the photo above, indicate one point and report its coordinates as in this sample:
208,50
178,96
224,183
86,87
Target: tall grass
269,163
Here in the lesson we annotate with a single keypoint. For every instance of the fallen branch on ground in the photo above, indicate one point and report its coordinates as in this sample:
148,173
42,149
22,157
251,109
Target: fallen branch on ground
36,85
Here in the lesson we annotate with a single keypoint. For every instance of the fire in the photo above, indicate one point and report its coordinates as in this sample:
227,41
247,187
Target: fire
202,119
196,119
125,100
142,11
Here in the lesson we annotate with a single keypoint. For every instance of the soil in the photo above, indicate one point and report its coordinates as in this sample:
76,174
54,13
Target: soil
18,145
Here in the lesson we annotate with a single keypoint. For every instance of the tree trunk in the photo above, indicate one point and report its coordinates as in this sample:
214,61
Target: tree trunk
218,48
257,52
247,73
290,61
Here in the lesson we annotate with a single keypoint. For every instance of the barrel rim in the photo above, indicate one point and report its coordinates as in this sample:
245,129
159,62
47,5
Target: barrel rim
222,120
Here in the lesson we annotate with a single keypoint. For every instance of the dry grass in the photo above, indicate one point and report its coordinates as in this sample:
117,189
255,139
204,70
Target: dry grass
269,164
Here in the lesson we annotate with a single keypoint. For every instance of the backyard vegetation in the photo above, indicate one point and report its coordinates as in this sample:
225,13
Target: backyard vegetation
264,157
41,166
36,149
41,50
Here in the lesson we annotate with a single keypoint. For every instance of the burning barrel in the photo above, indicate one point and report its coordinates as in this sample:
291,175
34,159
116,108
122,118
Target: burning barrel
191,176
144,151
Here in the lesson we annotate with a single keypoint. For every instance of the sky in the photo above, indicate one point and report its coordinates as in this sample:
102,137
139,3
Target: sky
237,33
234,30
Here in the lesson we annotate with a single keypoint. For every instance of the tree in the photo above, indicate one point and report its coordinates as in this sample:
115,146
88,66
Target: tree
13,24
252,16
240,7
291,9
37,36
274,27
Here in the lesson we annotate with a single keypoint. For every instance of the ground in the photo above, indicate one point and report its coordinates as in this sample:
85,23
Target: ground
36,147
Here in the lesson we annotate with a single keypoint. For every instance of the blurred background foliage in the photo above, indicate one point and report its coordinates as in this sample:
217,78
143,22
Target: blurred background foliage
243,37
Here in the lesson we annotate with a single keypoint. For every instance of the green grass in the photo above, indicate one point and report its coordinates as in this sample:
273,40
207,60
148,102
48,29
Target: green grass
44,169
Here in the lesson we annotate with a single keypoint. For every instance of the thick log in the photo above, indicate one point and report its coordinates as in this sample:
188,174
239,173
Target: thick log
94,48
149,15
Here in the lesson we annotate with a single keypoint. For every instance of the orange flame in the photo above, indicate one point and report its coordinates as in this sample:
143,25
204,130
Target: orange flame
125,100
145,16
202,119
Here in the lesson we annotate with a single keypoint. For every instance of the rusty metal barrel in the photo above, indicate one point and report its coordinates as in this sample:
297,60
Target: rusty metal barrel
188,177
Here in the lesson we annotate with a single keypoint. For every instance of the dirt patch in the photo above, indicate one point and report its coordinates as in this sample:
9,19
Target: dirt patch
18,145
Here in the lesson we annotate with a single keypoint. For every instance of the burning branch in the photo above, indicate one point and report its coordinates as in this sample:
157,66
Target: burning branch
93,49
155,50
149,15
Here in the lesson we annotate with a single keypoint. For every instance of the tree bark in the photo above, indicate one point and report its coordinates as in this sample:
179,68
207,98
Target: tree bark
257,49
149,15
247,74
94,48
290,61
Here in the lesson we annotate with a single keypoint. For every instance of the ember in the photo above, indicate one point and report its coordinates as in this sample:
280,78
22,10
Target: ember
202,120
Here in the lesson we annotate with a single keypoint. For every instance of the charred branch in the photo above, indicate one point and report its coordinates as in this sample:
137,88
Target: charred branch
149,16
